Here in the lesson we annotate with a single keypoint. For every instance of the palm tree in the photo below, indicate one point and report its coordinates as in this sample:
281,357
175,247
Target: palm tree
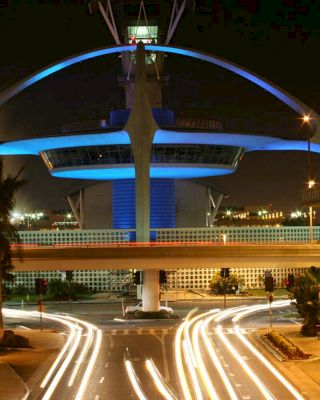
8,234
306,291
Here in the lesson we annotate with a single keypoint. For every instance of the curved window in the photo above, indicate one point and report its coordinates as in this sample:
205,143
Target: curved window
122,154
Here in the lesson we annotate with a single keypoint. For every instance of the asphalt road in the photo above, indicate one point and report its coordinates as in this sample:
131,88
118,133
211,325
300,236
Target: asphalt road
155,340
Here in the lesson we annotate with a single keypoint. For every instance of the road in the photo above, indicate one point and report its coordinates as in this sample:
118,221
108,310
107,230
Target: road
121,370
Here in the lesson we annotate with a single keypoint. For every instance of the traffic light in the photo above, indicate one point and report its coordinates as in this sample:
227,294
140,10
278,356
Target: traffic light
137,278
225,272
69,276
162,276
290,281
41,286
268,284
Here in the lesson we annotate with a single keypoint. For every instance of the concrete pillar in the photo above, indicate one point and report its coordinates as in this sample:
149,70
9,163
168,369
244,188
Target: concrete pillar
141,127
151,290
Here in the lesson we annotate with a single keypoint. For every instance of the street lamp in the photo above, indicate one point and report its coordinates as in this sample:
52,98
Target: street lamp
311,182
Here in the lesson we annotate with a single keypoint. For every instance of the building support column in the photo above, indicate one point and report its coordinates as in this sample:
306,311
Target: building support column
151,290
141,127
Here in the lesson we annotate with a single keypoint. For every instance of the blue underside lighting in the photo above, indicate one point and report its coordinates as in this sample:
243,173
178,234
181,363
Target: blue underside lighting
113,173
248,142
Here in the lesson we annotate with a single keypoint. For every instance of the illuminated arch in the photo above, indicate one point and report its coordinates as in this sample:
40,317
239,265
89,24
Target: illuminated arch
279,93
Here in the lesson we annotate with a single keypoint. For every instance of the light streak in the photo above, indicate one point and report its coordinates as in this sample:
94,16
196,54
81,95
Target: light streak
265,392
271,368
134,380
63,367
246,342
179,364
76,327
91,364
61,354
188,344
213,355
158,381
203,371
187,356
84,351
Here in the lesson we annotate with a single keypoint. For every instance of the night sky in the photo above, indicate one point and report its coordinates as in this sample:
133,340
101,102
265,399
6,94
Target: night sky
278,39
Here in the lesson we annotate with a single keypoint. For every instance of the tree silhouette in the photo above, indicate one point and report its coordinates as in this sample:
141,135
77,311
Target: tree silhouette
8,233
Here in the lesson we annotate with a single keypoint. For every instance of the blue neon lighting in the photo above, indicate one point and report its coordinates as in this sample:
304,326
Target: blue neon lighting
162,204
282,95
58,66
247,142
36,145
113,173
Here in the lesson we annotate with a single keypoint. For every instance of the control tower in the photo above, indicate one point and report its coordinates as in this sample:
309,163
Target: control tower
142,150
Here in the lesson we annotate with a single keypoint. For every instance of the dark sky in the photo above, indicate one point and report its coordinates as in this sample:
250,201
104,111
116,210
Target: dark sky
278,39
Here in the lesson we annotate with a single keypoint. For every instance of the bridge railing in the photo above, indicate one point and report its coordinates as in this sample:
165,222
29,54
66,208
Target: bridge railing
254,234
173,236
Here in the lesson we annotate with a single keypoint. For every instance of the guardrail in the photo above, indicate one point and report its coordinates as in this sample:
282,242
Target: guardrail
217,235
155,244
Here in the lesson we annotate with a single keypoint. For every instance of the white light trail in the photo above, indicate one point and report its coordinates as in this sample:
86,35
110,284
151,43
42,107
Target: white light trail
246,342
203,371
265,392
191,370
84,352
158,381
179,363
54,383
86,376
188,340
76,327
134,381
54,366
271,368
216,362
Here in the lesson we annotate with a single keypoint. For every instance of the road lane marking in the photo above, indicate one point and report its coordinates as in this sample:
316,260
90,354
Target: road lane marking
101,380
97,397
106,365
25,327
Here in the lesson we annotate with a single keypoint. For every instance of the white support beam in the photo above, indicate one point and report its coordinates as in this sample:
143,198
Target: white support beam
213,207
176,14
74,209
109,19
77,207
216,208
81,208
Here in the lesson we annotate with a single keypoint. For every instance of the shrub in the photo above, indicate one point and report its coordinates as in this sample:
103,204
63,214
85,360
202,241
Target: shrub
10,339
162,314
286,346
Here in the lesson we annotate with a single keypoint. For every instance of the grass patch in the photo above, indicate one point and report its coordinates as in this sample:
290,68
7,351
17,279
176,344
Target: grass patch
262,292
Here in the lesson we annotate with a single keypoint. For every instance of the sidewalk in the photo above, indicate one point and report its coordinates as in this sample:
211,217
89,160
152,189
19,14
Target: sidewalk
17,366
303,374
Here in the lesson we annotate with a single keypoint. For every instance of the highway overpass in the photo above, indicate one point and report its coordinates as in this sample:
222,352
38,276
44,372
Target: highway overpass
165,256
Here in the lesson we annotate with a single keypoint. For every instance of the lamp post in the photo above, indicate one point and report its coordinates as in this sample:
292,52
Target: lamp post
311,182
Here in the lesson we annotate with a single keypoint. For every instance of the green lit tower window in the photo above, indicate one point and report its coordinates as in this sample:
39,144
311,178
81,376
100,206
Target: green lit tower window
147,34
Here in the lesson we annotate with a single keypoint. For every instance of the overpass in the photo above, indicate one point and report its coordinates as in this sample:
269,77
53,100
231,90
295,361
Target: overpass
164,256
